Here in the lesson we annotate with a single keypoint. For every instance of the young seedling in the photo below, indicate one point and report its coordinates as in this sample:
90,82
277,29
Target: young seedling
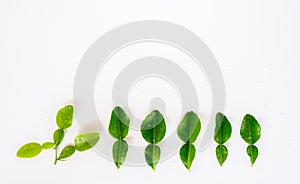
222,134
250,131
118,128
64,119
188,131
153,130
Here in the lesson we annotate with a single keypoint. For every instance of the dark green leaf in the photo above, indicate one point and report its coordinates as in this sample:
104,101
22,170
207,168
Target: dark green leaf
119,123
250,129
64,117
29,150
187,154
120,149
252,151
152,155
221,152
48,145
86,141
58,136
189,128
222,129
66,152
154,127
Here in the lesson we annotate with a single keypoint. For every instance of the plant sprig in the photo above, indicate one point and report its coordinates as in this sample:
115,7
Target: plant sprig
64,119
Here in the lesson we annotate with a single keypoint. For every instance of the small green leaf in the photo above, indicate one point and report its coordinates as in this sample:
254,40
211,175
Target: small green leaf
152,155
64,117
119,123
86,141
58,136
187,154
250,129
223,129
29,150
153,127
66,152
189,128
48,145
120,149
221,152
252,151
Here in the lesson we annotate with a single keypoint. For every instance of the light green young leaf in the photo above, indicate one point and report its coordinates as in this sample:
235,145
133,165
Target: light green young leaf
119,123
29,150
153,127
152,155
120,149
67,152
250,129
187,154
252,151
86,141
189,128
48,145
58,136
223,129
64,117
221,152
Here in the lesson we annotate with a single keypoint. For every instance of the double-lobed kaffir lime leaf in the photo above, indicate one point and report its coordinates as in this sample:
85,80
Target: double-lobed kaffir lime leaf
29,150
119,123
64,117
188,131
251,131
120,149
86,141
187,154
189,127
153,127
222,134
152,155
153,130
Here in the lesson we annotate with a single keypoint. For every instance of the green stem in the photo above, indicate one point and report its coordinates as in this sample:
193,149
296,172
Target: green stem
55,151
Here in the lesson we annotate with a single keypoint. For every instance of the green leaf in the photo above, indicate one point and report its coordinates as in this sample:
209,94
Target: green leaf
152,155
86,141
64,117
250,129
153,127
29,150
120,149
222,153
252,151
187,154
189,128
58,136
67,152
119,123
223,129
48,145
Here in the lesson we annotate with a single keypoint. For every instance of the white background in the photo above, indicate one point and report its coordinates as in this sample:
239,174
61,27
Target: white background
256,44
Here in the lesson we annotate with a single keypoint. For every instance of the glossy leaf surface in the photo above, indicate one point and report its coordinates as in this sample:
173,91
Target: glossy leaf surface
153,127
189,128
